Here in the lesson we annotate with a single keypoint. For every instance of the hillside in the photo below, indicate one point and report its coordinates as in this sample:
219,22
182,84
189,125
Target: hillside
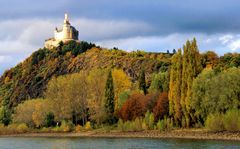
29,78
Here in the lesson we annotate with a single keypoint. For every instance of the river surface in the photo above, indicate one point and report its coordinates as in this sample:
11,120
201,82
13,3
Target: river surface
112,143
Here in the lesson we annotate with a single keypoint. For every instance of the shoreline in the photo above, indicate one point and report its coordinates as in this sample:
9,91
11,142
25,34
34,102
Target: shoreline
174,134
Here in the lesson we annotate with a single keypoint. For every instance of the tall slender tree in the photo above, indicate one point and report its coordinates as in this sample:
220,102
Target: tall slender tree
191,67
142,82
109,98
175,87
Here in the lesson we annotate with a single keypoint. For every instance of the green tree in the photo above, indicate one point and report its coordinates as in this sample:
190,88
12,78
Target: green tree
215,93
109,98
142,82
191,67
5,115
49,120
160,82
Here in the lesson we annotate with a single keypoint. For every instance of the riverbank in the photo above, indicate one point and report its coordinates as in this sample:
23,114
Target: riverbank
179,133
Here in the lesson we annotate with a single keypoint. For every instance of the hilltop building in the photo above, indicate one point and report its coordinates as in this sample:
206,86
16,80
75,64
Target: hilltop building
67,33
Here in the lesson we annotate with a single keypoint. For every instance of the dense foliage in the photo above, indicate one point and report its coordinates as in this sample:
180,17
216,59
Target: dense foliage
83,87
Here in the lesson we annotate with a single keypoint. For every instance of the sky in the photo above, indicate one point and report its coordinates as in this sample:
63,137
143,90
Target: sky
150,25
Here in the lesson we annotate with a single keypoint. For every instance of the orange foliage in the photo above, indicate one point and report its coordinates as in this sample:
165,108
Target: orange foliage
137,105
133,107
161,107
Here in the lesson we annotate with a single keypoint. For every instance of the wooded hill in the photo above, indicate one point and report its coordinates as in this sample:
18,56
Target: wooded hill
29,78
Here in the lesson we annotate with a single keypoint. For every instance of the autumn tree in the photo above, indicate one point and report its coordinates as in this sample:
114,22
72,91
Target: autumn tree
121,83
109,98
134,107
69,97
161,108
175,109
96,84
210,59
56,90
32,112
142,82
40,112
191,67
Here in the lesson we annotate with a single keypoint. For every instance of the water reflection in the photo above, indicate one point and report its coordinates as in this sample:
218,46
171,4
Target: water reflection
111,143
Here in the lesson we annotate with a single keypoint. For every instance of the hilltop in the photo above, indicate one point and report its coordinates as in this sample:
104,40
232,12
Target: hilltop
29,78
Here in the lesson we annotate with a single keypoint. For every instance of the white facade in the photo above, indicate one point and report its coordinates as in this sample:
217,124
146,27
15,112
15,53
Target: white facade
65,34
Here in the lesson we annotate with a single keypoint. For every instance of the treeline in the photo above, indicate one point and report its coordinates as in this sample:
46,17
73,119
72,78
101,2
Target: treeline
198,90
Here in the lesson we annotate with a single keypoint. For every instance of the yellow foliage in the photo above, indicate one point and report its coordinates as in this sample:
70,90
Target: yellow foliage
22,128
121,83
78,128
88,126
6,80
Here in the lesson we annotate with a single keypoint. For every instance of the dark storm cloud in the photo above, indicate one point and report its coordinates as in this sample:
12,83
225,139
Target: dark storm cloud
152,25
185,16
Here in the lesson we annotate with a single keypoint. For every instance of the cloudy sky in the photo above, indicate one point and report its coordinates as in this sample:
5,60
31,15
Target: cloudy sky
151,25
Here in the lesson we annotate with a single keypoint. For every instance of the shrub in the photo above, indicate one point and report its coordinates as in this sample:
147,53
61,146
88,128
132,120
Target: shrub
120,125
214,122
78,128
161,125
231,120
88,126
137,124
149,120
22,128
66,126
144,126
49,120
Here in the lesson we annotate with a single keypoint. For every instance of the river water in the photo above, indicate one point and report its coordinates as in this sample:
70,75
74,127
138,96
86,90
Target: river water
112,143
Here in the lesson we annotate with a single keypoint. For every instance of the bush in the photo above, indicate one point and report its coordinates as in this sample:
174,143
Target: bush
88,126
66,126
22,128
135,125
149,120
120,125
78,128
214,122
231,120
161,125
49,120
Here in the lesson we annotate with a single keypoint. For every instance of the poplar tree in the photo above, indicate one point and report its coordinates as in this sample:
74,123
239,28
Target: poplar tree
142,82
191,67
175,87
109,98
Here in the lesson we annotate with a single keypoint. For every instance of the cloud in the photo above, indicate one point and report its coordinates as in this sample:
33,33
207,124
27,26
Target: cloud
20,37
29,35
91,29
231,41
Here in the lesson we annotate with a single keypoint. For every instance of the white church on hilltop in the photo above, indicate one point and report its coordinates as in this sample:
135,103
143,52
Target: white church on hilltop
67,33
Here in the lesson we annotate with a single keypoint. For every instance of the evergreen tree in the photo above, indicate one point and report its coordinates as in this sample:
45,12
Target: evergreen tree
5,113
109,98
142,82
